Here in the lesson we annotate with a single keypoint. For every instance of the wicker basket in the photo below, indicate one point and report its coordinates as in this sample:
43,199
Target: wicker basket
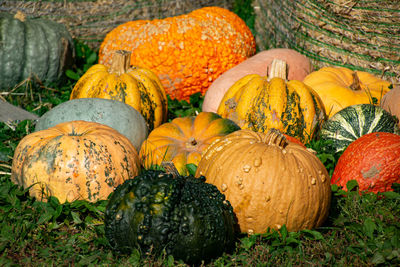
90,20
358,34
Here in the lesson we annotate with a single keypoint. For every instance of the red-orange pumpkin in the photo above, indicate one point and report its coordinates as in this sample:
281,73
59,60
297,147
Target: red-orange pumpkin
373,160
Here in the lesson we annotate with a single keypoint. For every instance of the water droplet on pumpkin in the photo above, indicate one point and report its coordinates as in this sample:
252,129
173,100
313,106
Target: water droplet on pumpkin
246,168
278,226
284,151
224,187
218,148
241,187
118,216
257,162
323,178
313,181
267,198
250,231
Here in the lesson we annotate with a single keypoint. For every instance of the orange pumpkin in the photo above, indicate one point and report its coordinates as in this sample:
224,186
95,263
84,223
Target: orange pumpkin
74,160
340,87
269,182
391,102
187,52
183,140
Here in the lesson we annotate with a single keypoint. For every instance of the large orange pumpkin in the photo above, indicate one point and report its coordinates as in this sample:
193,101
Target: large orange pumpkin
74,160
138,87
269,182
340,87
183,140
187,52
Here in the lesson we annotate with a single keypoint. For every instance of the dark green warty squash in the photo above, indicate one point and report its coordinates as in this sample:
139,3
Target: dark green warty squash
186,216
37,48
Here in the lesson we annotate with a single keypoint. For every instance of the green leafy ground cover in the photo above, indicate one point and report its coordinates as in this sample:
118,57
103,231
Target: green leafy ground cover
362,230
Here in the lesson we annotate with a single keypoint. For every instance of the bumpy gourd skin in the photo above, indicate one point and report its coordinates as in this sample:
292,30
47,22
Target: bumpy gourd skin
187,217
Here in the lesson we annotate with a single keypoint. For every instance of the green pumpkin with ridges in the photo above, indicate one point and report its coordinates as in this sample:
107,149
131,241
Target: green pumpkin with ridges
186,216
37,48
354,121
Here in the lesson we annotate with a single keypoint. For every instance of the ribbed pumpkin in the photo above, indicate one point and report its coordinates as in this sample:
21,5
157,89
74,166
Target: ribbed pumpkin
183,140
33,48
187,52
74,160
260,103
340,87
354,121
269,182
373,160
391,102
135,86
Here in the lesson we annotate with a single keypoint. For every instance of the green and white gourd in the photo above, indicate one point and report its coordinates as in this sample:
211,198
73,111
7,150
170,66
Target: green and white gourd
355,121
35,47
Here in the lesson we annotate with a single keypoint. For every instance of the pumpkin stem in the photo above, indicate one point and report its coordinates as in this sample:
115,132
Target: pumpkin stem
278,69
121,62
355,86
170,168
275,137
19,15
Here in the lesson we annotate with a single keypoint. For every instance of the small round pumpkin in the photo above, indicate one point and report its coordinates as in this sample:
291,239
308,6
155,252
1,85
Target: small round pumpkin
299,66
373,160
137,87
391,102
269,182
76,160
260,103
36,48
120,116
354,121
340,87
187,52
183,140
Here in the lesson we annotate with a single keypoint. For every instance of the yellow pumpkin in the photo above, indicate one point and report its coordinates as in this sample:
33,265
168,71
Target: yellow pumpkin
262,102
268,181
135,86
76,160
183,140
340,87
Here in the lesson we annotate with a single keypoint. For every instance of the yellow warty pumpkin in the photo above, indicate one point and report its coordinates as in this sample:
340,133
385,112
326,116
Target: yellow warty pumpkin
260,103
269,182
340,87
135,86
187,52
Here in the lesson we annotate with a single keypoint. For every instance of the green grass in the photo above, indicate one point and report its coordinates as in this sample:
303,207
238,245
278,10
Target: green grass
362,229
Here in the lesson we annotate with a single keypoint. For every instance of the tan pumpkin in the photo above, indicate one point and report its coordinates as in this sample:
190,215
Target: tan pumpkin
269,182
135,86
262,102
183,140
299,66
391,102
76,160
340,87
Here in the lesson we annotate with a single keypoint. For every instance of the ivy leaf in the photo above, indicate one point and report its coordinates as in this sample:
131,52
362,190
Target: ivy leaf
369,227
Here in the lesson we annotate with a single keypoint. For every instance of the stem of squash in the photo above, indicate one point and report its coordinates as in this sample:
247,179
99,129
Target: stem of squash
278,69
275,137
170,168
355,86
121,62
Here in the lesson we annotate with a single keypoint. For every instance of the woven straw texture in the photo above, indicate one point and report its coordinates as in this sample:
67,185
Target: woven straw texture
90,20
357,34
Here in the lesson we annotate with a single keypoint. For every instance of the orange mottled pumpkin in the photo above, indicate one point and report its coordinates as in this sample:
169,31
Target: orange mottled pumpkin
187,52
269,182
74,160
183,140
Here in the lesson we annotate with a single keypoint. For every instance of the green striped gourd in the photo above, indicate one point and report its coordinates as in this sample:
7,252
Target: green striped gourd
355,121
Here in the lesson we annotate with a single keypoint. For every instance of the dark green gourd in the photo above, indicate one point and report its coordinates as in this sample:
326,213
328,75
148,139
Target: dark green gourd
186,216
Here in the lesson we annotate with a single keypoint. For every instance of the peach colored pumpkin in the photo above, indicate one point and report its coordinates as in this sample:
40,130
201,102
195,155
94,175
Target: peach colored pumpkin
391,102
299,66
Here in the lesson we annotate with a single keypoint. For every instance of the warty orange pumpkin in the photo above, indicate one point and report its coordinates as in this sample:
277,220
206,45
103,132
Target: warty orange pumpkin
187,52
74,160
135,86
260,103
269,182
183,140
340,87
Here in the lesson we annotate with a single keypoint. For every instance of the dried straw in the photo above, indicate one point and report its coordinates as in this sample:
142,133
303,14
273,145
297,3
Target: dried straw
358,34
